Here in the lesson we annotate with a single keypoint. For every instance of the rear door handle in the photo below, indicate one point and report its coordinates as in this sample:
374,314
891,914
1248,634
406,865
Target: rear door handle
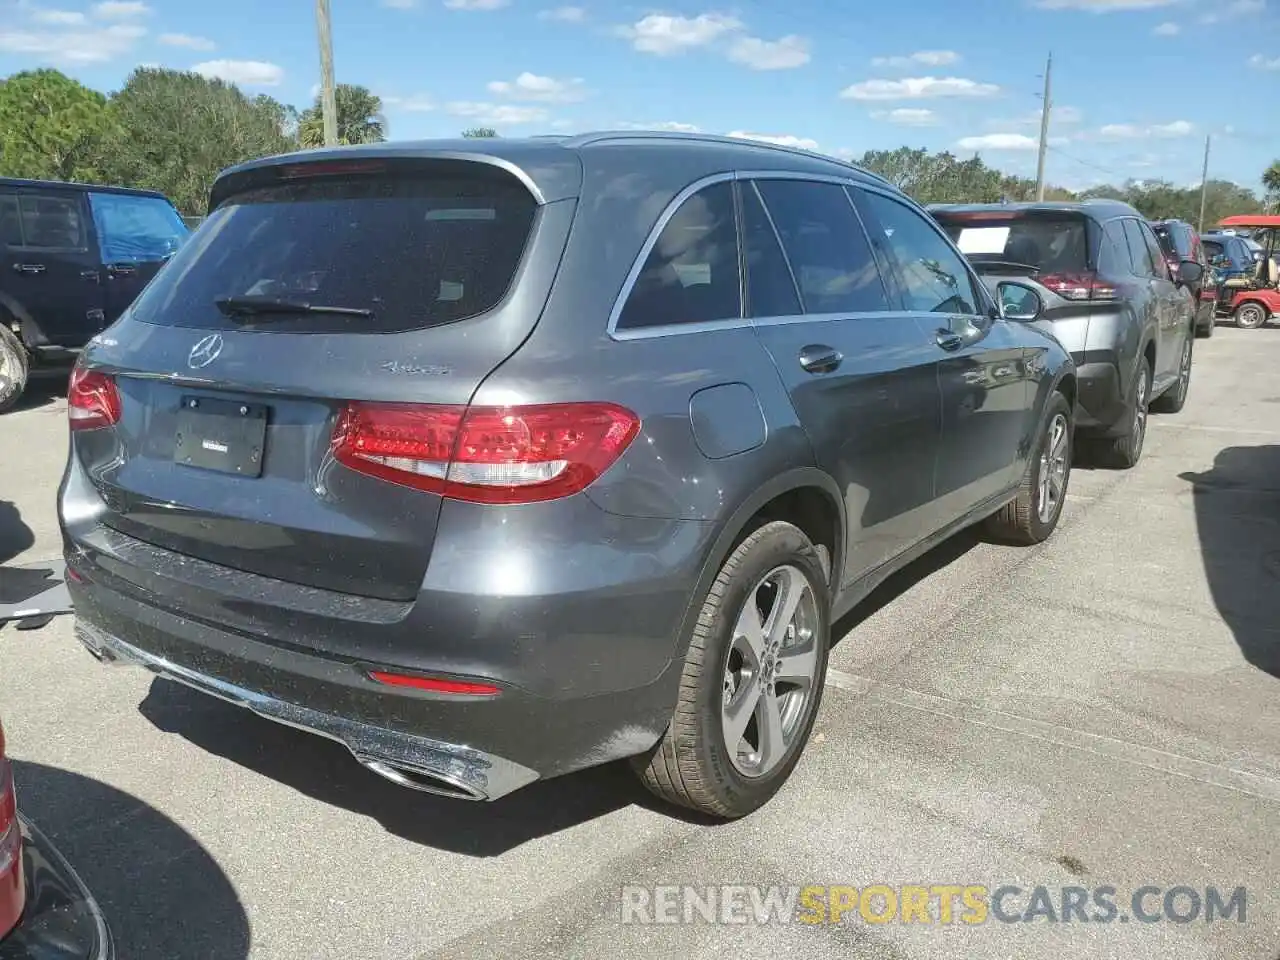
949,340
91,275
121,269
819,358
28,268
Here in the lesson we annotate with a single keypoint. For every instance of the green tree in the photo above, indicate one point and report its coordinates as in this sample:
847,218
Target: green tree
479,133
943,178
175,131
51,127
360,118
1271,178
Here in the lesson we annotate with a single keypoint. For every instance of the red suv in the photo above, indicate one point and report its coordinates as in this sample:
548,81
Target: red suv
1179,241
45,909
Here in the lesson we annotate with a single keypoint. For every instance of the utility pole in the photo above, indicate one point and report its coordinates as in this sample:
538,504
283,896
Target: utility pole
328,101
1204,184
1044,128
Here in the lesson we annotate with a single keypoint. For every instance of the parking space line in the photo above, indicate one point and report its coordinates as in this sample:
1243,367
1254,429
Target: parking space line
1205,428
1232,778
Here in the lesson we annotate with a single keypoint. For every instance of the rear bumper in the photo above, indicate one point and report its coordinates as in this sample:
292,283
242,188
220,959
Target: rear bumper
1102,403
62,921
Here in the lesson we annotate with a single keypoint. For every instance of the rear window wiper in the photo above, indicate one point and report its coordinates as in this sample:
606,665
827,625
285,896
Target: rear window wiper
252,306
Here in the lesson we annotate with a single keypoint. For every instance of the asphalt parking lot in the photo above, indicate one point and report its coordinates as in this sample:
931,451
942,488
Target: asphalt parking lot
1100,710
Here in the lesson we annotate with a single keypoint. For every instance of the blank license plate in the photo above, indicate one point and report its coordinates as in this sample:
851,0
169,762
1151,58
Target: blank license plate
222,435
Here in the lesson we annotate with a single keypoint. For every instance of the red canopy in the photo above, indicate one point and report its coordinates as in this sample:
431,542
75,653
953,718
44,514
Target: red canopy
1247,220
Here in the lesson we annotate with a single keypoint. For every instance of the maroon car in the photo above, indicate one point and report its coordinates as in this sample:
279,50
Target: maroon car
1179,242
46,912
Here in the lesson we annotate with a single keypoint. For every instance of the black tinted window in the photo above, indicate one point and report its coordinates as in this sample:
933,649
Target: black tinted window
935,277
691,274
826,247
10,222
770,287
418,252
52,223
1160,264
1143,265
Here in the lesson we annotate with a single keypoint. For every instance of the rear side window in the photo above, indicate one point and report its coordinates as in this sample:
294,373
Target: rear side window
826,246
416,252
10,222
1143,264
136,229
692,274
51,222
1114,259
771,289
1053,243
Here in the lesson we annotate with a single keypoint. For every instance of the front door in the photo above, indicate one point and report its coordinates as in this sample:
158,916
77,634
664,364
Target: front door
49,270
861,373
984,389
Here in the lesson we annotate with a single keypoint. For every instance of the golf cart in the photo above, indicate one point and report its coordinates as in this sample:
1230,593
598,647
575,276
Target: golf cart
1254,299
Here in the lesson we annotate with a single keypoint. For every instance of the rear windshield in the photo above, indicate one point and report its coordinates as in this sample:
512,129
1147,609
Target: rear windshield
136,229
1052,243
1174,241
414,252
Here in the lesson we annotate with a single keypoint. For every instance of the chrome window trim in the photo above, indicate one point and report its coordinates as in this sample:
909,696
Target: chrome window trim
666,330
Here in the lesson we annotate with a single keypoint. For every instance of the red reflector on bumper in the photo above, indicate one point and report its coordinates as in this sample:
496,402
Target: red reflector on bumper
436,684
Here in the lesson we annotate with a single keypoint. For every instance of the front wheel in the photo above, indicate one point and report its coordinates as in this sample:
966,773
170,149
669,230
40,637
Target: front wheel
1250,316
1033,515
752,679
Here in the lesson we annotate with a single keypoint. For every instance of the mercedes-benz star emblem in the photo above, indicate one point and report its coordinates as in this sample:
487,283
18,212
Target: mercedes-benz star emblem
205,352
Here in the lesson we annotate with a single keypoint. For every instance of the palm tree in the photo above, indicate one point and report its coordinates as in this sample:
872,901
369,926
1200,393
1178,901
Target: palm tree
360,118
1271,179
479,133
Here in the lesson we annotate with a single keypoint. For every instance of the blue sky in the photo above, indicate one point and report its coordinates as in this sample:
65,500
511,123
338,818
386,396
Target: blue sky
1137,83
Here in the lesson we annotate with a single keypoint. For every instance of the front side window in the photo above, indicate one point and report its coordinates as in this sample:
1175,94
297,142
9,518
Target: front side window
51,222
692,273
826,246
134,229
935,278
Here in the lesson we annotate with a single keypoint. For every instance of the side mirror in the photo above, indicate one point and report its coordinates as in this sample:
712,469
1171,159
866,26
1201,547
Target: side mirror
1189,271
1018,302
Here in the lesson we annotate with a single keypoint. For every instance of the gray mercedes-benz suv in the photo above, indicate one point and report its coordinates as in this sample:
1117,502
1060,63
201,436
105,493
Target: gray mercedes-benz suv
494,460
1108,296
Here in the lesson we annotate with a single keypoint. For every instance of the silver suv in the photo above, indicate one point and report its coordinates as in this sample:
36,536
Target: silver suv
495,460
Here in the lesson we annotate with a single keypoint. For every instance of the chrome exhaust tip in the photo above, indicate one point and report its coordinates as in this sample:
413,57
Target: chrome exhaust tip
421,779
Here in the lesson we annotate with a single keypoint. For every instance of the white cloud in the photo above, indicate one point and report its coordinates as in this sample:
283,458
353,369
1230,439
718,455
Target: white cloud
999,141
496,114
1103,6
927,58
665,35
907,116
782,139
1167,30
248,73
186,40
918,88
475,4
1235,10
414,103
783,54
670,126
1133,131
564,14
77,46
59,18
530,86
120,9
1264,63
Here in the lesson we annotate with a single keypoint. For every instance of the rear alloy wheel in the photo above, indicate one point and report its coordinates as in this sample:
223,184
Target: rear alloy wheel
13,370
1033,515
1250,316
752,679
1124,452
1175,398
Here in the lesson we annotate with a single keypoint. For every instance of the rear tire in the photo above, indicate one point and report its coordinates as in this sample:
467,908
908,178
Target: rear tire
1124,452
1033,515
13,370
1175,398
729,690
1250,316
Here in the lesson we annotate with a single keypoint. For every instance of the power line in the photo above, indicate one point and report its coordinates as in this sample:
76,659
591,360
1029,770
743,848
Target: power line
1083,163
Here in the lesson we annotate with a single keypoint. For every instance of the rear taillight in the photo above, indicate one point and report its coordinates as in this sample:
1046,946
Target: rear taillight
485,454
12,890
1086,285
92,400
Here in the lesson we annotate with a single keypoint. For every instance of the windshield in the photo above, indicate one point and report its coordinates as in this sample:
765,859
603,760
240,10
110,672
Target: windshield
457,244
1052,243
136,229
